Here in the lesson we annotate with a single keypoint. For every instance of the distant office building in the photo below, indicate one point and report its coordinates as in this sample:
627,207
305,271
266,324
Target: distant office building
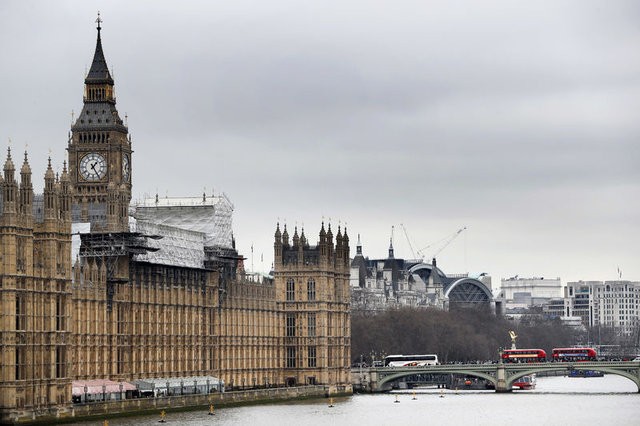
554,308
522,293
577,300
609,303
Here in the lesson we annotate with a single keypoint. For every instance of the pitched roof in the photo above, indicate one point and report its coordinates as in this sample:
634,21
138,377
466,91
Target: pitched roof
99,72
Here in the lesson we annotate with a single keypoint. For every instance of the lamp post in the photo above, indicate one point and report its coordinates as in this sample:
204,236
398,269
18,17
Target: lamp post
167,388
85,393
121,396
104,393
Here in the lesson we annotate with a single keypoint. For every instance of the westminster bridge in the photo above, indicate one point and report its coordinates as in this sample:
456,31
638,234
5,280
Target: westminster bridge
501,375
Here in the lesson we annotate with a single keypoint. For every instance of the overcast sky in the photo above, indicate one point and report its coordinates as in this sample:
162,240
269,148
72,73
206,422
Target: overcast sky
518,120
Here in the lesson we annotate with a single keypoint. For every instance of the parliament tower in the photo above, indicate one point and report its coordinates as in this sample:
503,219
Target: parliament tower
100,153
312,292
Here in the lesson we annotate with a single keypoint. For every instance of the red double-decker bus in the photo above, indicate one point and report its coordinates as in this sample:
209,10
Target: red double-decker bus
524,355
574,354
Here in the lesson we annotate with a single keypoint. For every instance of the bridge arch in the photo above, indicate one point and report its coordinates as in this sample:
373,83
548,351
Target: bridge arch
631,375
393,377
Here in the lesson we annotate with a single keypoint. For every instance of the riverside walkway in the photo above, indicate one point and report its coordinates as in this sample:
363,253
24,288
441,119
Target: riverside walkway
501,375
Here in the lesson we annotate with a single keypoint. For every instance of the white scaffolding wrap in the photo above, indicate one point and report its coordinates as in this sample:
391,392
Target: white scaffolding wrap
186,226
177,247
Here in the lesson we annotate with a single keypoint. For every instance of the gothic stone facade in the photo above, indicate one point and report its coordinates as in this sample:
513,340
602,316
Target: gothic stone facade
107,315
35,292
312,290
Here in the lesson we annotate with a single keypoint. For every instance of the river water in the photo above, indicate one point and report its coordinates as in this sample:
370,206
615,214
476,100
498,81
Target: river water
597,401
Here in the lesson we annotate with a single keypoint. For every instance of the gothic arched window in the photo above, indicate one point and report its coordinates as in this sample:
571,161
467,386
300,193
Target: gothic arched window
311,289
291,289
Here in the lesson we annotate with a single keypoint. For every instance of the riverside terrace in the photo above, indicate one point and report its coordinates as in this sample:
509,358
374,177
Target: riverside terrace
379,379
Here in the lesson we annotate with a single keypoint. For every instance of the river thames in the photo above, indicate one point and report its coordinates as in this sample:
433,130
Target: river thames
609,400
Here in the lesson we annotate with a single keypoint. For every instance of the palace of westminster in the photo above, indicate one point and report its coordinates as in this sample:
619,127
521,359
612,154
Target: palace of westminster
93,288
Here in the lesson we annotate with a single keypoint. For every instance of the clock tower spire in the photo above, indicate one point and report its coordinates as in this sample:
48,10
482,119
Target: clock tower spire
100,151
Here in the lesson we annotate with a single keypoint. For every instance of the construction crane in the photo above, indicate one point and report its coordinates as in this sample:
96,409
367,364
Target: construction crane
406,234
443,243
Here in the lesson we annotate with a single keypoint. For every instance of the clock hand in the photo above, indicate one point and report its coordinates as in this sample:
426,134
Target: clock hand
93,166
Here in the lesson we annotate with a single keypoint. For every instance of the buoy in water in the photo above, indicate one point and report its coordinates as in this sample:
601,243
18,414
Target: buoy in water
330,402
396,401
162,416
211,411
414,396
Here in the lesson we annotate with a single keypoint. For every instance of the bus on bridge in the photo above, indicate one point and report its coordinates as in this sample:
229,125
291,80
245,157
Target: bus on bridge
410,360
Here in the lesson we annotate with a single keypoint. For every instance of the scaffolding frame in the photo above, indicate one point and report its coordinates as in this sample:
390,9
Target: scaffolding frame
211,215
108,248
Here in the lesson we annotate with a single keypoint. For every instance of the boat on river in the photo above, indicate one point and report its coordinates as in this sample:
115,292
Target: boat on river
525,382
585,373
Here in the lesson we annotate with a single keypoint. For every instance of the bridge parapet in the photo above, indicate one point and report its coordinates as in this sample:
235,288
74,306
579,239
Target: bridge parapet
501,375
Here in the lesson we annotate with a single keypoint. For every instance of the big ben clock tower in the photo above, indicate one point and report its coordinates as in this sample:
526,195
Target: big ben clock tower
100,153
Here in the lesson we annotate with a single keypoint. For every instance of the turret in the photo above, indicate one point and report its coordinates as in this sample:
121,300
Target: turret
323,241
277,245
50,196
26,188
10,188
299,244
338,247
65,194
295,239
285,237
278,235
345,248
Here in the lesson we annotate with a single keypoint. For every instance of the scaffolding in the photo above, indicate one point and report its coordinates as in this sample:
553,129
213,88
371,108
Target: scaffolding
107,249
210,215
177,247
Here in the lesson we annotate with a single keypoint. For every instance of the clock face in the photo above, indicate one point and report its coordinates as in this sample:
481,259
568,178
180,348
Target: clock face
93,167
126,168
